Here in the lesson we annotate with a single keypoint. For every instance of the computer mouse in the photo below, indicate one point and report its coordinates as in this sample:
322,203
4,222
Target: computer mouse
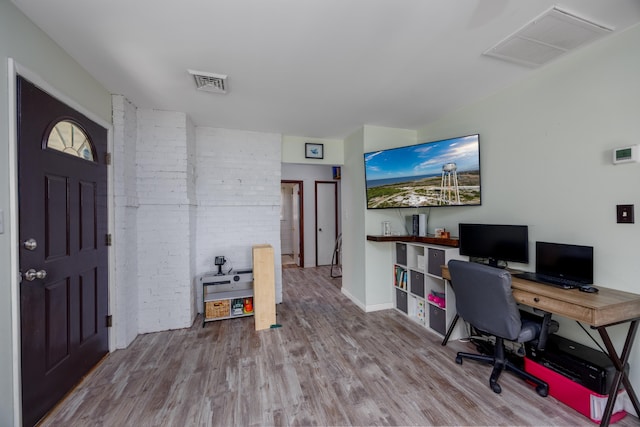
589,289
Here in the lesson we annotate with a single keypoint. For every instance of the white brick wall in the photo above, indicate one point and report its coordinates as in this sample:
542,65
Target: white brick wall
164,240
237,168
125,315
182,196
191,190
162,158
164,276
238,192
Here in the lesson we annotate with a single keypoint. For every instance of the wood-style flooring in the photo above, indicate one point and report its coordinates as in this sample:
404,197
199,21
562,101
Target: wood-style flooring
329,364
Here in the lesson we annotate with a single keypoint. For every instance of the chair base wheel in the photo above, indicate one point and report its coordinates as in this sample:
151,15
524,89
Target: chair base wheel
496,388
459,360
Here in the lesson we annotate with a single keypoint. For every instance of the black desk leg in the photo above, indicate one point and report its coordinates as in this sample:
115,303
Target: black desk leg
453,325
620,376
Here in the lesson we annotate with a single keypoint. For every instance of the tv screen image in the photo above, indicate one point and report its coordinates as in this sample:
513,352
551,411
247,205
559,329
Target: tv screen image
440,173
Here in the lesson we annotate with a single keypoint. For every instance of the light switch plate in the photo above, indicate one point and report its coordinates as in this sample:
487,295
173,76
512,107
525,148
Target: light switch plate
625,214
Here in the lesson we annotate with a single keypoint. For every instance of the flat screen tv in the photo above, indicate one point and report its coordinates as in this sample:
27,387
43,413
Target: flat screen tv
440,173
494,243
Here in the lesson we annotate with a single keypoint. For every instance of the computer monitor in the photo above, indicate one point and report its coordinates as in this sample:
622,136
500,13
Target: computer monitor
572,262
495,243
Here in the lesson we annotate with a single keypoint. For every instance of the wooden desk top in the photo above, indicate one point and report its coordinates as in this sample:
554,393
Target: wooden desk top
606,307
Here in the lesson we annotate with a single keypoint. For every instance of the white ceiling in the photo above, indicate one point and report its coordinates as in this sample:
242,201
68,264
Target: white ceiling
313,68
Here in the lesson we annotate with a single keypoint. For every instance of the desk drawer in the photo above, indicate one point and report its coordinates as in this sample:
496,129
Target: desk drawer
561,308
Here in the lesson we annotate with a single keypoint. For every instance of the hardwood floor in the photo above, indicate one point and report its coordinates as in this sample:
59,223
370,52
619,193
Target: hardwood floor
329,364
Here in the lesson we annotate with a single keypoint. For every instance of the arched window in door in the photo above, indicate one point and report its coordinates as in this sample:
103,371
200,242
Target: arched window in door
70,139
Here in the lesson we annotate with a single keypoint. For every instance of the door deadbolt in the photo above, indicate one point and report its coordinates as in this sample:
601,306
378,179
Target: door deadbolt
30,244
32,275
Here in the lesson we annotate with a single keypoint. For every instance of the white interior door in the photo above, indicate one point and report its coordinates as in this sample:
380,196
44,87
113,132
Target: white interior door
295,230
326,220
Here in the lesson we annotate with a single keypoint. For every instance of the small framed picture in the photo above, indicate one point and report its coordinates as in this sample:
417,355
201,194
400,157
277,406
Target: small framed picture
313,151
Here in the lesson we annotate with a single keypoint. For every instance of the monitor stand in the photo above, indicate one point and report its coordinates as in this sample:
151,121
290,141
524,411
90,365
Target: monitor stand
496,263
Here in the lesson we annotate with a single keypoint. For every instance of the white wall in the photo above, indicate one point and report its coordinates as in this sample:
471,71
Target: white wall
192,156
125,316
33,50
238,193
294,167
293,150
366,265
354,273
164,186
378,256
309,174
546,161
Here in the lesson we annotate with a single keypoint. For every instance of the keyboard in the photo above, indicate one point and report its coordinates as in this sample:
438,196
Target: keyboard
558,282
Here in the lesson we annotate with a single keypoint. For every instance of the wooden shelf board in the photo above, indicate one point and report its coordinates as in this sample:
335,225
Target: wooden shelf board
213,319
218,296
452,242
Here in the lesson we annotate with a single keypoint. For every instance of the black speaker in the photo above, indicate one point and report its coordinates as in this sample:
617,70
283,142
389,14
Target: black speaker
413,225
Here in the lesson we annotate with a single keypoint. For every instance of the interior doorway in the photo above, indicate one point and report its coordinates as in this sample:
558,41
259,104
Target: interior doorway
291,223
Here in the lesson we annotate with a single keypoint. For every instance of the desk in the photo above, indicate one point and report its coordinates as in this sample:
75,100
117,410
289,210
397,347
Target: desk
599,310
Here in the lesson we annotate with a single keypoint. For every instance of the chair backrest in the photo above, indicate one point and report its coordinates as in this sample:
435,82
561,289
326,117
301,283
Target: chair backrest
484,298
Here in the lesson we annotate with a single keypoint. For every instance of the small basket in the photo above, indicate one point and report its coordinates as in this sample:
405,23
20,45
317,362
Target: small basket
217,309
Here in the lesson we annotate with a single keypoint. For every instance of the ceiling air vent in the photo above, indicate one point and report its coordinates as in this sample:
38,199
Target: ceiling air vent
550,35
210,82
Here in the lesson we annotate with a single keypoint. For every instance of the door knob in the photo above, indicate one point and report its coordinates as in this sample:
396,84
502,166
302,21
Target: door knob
30,244
32,275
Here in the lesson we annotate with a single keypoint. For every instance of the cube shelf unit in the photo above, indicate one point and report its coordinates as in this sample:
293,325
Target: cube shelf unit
220,291
419,291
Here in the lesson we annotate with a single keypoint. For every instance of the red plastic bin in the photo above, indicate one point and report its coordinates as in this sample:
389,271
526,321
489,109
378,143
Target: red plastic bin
587,402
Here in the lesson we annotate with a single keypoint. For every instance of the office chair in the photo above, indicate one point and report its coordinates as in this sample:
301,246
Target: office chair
485,300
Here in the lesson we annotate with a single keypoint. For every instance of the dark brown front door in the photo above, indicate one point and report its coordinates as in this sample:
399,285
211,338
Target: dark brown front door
62,180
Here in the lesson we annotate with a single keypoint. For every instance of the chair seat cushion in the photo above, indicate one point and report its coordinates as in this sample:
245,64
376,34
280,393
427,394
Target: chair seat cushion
530,330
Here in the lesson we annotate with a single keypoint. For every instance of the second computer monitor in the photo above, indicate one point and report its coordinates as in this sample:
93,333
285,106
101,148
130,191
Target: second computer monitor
496,243
573,262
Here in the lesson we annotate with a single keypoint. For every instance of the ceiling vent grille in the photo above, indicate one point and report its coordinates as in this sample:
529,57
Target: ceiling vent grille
550,35
209,82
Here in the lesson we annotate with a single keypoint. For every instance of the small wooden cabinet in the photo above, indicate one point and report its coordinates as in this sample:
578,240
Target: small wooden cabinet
420,292
227,296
